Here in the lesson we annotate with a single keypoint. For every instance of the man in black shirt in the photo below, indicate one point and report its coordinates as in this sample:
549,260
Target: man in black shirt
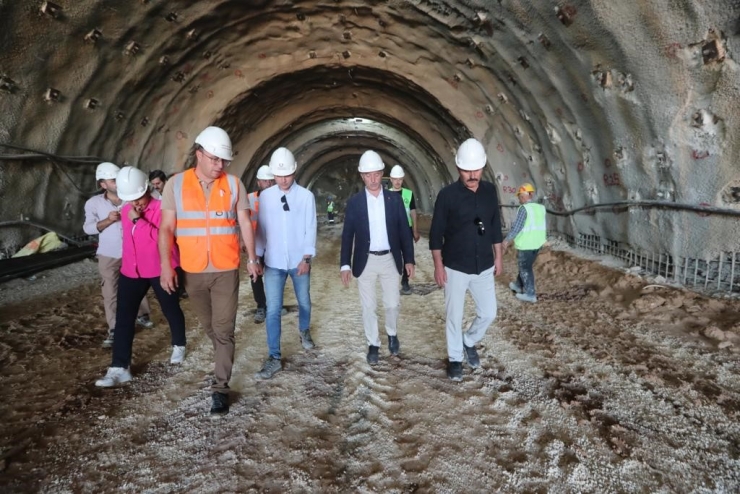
466,243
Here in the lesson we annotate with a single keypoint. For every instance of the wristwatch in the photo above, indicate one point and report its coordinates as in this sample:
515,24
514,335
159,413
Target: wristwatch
307,260
253,261
135,219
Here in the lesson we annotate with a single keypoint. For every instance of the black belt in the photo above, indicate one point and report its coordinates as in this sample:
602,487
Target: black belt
379,252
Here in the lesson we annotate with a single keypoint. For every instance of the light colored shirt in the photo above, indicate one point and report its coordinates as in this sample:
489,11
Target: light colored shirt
140,252
110,240
285,237
376,215
521,218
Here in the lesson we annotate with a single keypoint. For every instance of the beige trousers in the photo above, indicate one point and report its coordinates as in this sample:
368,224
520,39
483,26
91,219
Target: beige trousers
214,298
109,269
381,268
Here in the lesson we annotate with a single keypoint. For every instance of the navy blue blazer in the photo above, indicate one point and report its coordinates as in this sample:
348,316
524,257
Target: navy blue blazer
357,230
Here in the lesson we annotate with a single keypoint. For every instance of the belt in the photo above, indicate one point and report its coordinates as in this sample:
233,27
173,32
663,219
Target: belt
379,252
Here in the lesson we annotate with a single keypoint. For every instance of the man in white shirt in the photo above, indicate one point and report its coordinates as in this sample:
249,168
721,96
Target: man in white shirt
286,237
375,223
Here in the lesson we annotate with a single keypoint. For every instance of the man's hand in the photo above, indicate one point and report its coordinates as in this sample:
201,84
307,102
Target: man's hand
416,236
506,245
254,269
498,266
346,275
303,268
168,279
133,214
410,268
440,275
114,216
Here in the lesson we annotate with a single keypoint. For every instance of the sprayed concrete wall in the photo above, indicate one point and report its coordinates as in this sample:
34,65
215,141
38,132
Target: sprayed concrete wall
593,101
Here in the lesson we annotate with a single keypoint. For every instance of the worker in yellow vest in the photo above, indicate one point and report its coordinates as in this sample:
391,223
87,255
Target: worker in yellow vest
204,209
529,234
265,179
409,203
330,209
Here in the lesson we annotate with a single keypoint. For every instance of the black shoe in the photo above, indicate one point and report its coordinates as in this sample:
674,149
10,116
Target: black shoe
471,355
372,354
454,371
220,404
393,344
405,289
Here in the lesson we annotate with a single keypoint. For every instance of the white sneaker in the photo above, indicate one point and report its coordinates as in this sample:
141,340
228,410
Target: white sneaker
114,376
178,354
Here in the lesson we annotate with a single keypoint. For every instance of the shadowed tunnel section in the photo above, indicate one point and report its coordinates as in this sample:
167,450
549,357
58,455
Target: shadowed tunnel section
593,102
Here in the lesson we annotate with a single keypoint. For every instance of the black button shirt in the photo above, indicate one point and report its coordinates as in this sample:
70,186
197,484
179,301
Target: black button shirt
465,226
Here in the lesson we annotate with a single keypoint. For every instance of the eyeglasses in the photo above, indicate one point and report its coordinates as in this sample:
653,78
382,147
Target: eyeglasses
284,200
481,228
215,159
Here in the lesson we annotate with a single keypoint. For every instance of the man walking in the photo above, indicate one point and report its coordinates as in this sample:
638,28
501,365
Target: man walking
205,208
409,203
286,236
529,234
265,179
375,222
330,209
103,218
465,240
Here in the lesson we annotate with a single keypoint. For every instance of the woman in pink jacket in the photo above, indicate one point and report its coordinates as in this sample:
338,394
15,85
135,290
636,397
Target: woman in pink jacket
140,269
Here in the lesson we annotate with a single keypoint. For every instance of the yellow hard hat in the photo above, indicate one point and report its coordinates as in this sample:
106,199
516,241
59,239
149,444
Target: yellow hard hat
525,188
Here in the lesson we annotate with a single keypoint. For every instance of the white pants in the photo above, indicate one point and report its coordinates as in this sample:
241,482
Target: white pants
384,269
483,290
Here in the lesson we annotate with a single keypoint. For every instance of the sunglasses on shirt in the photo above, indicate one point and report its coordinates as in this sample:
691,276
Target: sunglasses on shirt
284,200
481,228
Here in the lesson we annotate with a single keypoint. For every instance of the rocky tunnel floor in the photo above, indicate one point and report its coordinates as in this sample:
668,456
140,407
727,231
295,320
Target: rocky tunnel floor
608,384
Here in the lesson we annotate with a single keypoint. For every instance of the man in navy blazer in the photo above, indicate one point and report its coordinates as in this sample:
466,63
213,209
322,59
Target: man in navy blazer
375,222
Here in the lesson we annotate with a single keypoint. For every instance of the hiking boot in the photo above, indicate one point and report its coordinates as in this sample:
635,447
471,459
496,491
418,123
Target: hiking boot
220,404
178,354
114,377
405,289
454,371
393,344
372,354
145,322
306,340
526,298
259,315
108,341
514,287
272,366
471,355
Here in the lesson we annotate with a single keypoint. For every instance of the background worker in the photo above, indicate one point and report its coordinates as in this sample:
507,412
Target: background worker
286,236
375,222
103,218
529,234
465,239
330,209
409,203
206,208
140,269
265,179
157,179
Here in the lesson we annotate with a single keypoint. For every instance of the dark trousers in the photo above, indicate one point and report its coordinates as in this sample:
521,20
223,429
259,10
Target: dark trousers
131,291
525,259
258,290
404,274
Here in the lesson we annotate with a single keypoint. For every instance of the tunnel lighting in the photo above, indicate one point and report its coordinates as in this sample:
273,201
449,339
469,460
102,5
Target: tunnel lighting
7,85
91,104
192,35
132,48
52,95
51,9
93,36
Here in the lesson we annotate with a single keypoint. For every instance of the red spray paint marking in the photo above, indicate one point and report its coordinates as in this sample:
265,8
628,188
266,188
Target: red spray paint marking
452,83
580,166
612,180
479,114
671,51
238,73
607,162
262,55
188,68
181,135
704,205
205,76
500,148
699,155
507,189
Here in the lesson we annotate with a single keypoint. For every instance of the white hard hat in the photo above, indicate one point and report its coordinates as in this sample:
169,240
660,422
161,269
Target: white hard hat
131,183
471,156
264,173
106,171
397,172
215,141
282,163
370,161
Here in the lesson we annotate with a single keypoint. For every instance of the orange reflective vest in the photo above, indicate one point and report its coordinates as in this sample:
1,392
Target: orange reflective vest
206,229
254,207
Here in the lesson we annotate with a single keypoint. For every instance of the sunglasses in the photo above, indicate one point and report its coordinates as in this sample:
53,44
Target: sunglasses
284,200
481,228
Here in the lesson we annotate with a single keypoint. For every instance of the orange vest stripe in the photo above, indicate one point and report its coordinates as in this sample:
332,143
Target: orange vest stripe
206,229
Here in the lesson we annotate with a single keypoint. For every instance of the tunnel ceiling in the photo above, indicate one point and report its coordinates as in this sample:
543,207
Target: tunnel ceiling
593,101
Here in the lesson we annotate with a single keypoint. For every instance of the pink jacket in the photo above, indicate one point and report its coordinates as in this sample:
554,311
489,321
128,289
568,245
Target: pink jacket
140,251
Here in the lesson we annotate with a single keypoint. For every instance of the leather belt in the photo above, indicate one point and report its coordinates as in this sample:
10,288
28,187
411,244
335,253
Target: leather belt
379,252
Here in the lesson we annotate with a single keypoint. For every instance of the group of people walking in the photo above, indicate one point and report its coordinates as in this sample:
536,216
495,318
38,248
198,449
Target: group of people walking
205,219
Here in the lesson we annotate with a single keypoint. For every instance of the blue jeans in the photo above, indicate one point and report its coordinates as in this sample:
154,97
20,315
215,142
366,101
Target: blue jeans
274,286
525,259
